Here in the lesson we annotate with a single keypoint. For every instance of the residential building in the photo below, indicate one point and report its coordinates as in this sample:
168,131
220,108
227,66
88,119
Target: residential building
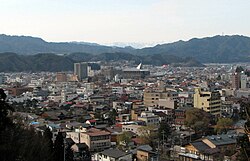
160,98
81,70
149,118
61,77
17,91
236,80
113,155
243,81
146,155
180,115
211,147
208,101
97,140
132,128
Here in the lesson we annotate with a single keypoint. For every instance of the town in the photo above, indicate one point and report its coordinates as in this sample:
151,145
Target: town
123,111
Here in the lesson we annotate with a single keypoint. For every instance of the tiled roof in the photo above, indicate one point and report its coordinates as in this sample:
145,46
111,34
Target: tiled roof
96,132
114,153
200,146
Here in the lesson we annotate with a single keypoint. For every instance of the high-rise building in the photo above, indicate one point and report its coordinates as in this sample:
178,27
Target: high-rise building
236,80
81,70
61,77
243,81
208,101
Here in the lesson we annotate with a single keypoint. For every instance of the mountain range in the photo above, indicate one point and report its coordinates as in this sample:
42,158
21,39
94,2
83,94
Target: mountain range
25,53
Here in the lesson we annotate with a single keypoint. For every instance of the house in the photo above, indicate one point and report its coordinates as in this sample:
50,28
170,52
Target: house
95,139
132,128
113,155
149,118
202,150
211,147
145,153
81,152
115,131
188,157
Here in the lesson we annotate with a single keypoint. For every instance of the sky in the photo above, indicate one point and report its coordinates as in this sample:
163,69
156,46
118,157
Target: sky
128,21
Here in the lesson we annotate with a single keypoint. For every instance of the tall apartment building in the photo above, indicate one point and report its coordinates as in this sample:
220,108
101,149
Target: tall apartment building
236,80
208,101
160,98
243,81
81,70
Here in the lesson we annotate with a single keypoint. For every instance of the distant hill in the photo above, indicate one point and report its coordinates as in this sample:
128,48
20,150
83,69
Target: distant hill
154,59
27,45
12,62
217,49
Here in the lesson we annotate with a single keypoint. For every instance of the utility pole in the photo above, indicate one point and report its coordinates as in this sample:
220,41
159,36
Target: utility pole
163,135
64,154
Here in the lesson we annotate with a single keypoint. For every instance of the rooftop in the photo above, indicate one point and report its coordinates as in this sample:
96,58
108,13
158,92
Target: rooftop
96,132
222,139
114,153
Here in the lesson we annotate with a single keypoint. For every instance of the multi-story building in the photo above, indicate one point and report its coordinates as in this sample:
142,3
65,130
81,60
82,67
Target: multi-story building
16,91
180,115
208,101
61,77
160,98
132,128
81,70
236,80
149,118
97,140
243,81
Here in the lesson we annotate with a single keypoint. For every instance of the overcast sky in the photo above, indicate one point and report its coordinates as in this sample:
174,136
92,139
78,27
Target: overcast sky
108,21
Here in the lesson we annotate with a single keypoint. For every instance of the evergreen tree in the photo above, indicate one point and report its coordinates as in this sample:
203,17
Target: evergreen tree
48,137
59,147
17,143
164,129
5,108
69,154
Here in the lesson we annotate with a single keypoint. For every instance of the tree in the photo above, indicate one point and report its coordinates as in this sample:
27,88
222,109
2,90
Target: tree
164,129
5,109
48,137
243,141
59,147
147,134
21,144
112,116
124,138
17,143
197,119
69,155
223,124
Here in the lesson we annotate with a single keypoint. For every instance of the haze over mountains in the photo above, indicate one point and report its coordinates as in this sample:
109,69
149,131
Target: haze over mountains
18,53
